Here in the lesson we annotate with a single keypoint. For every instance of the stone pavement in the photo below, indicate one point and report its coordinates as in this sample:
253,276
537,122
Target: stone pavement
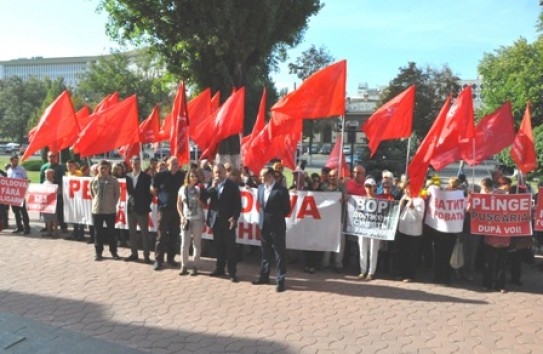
58,284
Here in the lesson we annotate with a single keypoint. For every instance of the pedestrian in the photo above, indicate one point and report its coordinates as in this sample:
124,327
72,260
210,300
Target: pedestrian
52,163
368,247
21,214
166,185
190,205
224,211
334,186
73,171
138,206
50,219
274,202
105,192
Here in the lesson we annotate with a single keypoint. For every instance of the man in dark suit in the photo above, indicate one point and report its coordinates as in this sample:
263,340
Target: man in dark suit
222,217
138,190
274,204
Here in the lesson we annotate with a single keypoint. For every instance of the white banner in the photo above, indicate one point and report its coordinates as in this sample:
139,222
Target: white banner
313,225
446,211
371,218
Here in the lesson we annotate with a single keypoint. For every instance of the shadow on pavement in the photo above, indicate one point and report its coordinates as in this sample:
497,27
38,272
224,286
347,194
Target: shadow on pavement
85,320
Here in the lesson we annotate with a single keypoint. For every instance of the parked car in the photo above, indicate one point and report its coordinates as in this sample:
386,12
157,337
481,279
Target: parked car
326,149
314,149
347,149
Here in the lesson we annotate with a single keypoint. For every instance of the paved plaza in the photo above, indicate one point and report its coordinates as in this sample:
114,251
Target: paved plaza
55,298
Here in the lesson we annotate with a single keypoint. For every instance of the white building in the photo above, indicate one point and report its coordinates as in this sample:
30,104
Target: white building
476,87
69,68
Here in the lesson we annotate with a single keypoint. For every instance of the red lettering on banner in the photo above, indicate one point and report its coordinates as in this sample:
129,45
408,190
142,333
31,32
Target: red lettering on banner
122,185
121,216
245,228
86,190
73,186
309,207
247,201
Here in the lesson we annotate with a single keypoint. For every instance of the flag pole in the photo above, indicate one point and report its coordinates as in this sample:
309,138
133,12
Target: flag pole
340,161
473,167
407,154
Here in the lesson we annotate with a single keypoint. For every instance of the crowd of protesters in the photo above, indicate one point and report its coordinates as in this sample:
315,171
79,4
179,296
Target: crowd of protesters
183,195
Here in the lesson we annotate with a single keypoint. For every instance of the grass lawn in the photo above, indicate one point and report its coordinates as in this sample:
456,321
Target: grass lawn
33,175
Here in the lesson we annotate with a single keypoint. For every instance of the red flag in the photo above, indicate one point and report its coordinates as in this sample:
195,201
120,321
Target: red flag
393,120
216,101
321,95
256,150
165,129
227,121
150,128
459,125
56,127
334,162
107,102
199,108
260,119
523,149
110,129
421,161
179,136
128,151
494,133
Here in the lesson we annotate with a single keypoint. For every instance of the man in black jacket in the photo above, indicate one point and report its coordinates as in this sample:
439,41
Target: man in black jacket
222,217
274,203
138,190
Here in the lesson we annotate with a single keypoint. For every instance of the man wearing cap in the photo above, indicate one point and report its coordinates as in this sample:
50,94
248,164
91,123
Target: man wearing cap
21,214
138,206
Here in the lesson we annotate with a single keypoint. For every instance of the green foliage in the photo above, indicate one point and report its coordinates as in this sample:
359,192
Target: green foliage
19,101
32,165
130,73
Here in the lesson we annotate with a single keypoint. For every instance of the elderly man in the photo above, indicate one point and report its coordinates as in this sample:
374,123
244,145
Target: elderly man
274,204
355,186
166,185
21,214
222,217
52,158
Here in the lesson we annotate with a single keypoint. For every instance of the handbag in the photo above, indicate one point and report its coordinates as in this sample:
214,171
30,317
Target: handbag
457,257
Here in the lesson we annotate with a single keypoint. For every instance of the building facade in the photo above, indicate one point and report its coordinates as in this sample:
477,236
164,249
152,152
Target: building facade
70,68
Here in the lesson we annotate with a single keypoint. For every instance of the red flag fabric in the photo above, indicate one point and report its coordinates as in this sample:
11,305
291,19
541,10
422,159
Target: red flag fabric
227,121
107,102
321,95
56,127
256,151
165,129
216,101
334,159
128,151
199,108
260,119
393,120
523,149
110,129
459,125
421,161
150,128
179,136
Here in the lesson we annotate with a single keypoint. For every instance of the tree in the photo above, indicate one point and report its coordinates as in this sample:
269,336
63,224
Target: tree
214,44
514,73
433,86
136,72
308,63
18,102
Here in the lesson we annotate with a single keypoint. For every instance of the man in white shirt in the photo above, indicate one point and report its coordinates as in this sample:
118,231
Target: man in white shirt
21,214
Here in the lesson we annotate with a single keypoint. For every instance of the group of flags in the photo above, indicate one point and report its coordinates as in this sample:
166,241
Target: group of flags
453,136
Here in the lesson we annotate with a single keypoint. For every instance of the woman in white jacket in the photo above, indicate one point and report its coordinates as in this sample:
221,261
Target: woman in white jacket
409,233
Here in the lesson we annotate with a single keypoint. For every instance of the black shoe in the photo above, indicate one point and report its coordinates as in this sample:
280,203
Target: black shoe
234,279
157,266
17,231
27,231
98,257
115,256
280,287
146,260
260,281
216,273
131,258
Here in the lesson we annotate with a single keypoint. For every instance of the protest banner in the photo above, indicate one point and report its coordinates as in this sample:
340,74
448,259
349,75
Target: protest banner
313,224
539,211
501,214
42,198
446,210
13,191
371,218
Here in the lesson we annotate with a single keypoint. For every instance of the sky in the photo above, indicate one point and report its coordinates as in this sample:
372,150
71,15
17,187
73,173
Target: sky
376,37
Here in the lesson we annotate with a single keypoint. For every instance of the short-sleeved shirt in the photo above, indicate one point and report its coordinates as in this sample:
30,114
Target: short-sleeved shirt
17,172
192,207
354,188
59,173
168,185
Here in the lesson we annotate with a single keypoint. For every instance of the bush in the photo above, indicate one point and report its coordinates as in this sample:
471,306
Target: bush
32,165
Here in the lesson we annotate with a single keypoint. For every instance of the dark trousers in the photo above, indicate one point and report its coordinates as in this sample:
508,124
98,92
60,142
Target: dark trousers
106,234
409,253
224,240
271,243
21,217
515,263
495,267
443,247
427,247
167,234
312,258
60,212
